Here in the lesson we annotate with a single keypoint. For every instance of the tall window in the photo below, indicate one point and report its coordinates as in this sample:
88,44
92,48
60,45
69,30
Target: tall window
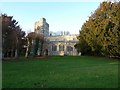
61,47
69,48
54,48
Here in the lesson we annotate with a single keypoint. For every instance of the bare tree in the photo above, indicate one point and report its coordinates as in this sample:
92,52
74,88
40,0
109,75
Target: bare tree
39,38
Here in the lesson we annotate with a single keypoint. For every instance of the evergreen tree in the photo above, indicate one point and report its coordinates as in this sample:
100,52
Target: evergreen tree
12,36
101,33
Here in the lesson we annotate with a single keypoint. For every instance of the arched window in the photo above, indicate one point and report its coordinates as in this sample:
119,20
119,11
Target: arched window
61,47
69,48
54,47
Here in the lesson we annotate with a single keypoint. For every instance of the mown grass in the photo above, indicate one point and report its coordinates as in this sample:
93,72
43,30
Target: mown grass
60,72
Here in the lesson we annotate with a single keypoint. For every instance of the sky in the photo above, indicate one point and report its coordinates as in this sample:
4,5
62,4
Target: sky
61,16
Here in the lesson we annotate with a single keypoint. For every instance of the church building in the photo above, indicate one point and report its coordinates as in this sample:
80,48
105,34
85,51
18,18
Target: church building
56,44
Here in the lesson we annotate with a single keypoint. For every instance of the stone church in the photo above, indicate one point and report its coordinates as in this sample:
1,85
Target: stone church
56,44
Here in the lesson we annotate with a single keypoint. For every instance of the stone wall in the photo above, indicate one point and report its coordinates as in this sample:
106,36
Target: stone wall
67,41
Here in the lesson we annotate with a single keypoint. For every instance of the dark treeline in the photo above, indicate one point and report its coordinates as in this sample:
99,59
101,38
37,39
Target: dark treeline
14,41
13,38
100,34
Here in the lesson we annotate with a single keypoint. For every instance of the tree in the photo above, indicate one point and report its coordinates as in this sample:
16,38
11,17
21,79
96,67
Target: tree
34,41
11,36
101,32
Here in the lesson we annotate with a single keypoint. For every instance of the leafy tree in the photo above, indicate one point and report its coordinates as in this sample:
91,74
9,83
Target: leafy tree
101,33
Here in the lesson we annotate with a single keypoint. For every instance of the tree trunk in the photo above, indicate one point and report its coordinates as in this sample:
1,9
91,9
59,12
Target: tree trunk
27,49
41,49
16,53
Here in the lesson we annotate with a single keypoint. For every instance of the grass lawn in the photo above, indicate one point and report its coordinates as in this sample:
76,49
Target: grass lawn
60,72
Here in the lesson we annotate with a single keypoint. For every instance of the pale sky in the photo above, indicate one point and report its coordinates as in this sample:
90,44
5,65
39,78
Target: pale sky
61,16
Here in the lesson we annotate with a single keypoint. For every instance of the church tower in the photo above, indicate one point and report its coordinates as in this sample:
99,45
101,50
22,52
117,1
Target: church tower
42,27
